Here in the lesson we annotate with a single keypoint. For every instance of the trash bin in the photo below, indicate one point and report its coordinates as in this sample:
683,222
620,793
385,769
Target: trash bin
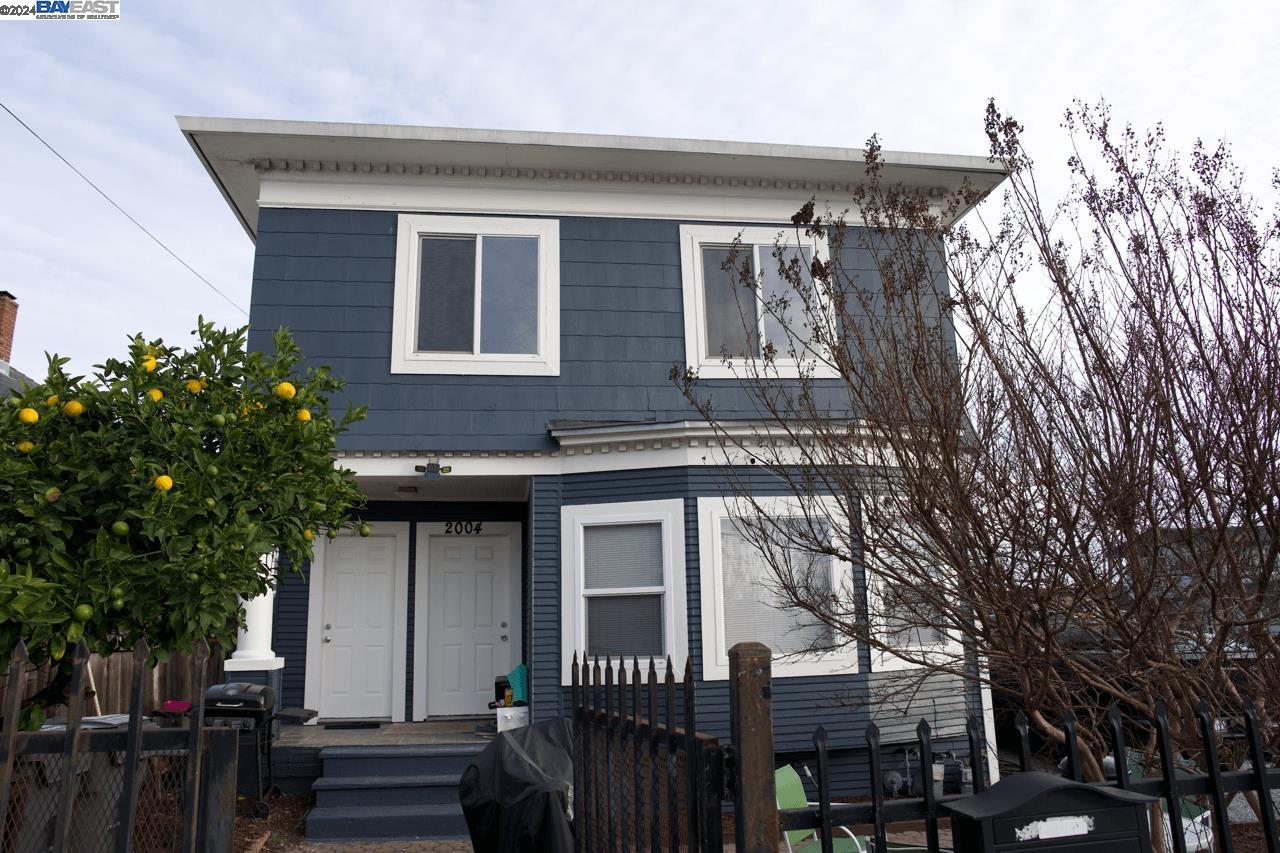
516,797
1040,813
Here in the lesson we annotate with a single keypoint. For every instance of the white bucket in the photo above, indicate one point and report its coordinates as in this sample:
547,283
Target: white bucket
512,718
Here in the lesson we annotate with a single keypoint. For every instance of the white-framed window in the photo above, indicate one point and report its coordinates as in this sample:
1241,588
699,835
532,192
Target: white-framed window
902,620
724,318
622,581
476,296
740,602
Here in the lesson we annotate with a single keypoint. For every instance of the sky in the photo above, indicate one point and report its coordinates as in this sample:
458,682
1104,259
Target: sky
916,73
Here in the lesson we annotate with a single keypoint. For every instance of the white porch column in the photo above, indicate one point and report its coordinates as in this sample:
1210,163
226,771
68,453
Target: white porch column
253,643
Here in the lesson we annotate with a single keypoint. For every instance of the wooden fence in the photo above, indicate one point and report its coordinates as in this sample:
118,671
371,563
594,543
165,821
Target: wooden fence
132,788
111,679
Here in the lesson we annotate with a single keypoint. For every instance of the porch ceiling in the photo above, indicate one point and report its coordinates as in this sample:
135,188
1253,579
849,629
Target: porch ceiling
448,487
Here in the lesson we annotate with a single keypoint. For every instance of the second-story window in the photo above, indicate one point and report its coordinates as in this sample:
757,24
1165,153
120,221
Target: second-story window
727,322
476,296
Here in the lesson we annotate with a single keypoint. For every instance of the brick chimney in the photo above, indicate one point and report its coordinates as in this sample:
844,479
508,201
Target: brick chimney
8,319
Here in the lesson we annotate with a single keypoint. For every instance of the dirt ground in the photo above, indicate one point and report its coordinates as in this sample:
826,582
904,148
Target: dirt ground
282,832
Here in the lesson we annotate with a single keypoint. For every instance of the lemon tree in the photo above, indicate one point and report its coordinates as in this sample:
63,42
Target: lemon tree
144,501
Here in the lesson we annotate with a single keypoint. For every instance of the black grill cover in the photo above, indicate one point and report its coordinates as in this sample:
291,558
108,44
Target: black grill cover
515,796
239,699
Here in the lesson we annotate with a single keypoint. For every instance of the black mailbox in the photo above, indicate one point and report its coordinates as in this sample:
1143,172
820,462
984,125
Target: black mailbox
1040,813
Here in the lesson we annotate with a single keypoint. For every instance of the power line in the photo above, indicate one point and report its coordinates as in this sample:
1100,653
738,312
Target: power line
124,212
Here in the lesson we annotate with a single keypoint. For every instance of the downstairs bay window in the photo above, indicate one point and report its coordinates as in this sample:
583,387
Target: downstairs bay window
740,599
623,582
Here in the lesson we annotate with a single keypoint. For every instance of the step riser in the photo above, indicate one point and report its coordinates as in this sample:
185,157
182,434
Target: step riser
397,765
346,797
322,828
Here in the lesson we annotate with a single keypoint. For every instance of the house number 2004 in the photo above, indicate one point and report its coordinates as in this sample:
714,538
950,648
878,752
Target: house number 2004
461,527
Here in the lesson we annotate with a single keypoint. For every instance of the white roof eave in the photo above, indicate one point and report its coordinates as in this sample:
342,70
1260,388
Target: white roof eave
229,148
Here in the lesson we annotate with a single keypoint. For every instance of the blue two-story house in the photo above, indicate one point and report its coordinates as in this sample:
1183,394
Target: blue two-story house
509,306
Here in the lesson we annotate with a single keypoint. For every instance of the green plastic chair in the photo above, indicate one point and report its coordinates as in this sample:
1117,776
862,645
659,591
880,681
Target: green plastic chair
791,795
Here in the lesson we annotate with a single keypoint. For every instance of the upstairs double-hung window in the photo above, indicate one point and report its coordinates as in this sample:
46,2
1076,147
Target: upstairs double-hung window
477,296
728,323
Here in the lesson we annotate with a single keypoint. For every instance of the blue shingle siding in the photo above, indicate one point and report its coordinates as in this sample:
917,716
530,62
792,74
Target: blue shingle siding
843,704
328,275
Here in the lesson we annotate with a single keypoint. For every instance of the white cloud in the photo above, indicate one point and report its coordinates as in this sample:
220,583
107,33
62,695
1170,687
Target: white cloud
918,73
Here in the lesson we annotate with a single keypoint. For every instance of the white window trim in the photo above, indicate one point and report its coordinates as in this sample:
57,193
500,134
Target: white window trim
712,365
573,617
405,358
885,661
713,514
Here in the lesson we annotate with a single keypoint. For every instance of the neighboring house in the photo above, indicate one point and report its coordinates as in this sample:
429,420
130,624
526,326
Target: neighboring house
11,380
509,306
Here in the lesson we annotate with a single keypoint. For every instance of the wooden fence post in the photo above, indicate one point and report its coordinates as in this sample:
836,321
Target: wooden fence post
217,820
755,812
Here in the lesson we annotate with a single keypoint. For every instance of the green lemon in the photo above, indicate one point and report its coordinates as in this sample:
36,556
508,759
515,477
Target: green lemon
219,420
120,529
331,533
83,613
212,470
229,417
364,530
117,604
117,592
74,632
210,503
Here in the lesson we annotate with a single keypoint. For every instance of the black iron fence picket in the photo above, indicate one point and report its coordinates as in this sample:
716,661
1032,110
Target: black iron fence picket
140,789
647,780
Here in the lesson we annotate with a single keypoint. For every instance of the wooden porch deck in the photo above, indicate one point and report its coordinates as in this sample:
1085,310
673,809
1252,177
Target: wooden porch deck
453,731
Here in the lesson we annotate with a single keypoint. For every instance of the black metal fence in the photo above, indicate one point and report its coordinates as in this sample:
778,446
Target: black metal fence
139,788
647,780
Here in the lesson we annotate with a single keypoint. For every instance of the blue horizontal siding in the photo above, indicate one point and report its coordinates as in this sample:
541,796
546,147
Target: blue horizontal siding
843,704
328,276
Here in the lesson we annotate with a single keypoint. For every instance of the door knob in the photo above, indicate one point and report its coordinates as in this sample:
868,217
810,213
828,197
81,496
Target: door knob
328,627
328,639
504,638
504,624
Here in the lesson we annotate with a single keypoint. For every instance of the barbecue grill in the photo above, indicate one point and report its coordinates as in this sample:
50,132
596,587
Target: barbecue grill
251,708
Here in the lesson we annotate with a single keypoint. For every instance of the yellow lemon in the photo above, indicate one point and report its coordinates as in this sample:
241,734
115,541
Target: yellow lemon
304,415
156,395
28,415
286,391
164,482
193,386
51,400
308,535
73,408
149,363
25,446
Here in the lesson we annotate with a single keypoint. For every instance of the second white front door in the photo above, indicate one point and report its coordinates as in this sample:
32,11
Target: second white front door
472,618
357,645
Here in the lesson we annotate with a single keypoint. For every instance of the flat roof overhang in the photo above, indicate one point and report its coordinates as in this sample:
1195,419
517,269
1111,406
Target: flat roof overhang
235,151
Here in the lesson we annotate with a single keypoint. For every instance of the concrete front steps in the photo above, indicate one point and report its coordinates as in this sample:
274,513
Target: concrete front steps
373,792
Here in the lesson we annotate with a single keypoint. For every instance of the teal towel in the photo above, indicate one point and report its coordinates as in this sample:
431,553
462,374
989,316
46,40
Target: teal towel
519,681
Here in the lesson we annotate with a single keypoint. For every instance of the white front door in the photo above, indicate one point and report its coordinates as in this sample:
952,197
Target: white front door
473,612
357,646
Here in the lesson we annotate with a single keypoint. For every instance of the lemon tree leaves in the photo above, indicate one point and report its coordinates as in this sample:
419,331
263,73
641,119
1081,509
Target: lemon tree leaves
152,505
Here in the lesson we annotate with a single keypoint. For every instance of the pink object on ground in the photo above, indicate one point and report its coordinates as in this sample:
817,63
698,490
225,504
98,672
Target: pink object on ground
175,706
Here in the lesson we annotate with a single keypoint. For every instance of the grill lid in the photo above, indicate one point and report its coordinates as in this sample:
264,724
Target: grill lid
239,698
